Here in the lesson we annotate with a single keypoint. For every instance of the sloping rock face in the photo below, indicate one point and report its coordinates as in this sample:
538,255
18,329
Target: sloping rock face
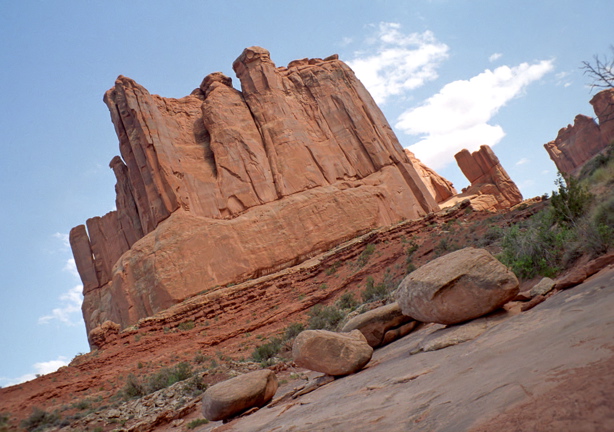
440,188
575,145
225,185
491,187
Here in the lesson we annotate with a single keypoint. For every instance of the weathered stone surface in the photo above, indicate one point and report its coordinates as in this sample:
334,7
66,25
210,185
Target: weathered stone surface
543,287
331,353
457,287
103,334
440,188
575,145
375,323
301,154
603,105
491,187
233,396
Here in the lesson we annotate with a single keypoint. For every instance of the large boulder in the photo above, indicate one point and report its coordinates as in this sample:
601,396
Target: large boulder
457,287
375,323
233,396
332,353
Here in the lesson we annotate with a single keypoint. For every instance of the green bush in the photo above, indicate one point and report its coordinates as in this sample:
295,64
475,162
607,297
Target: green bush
597,231
40,420
186,325
133,388
265,352
536,246
293,330
570,202
169,376
4,422
324,317
380,291
363,258
347,301
195,423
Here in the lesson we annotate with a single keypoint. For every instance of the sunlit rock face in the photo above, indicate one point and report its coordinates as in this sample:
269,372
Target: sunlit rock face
578,143
225,185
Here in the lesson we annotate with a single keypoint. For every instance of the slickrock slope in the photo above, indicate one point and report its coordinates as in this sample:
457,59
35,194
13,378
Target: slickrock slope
575,145
491,187
225,185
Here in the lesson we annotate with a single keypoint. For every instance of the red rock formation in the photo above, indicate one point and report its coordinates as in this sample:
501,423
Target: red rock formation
603,105
440,188
575,145
222,185
491,187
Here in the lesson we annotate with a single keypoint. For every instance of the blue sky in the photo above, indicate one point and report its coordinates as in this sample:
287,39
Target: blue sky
448,74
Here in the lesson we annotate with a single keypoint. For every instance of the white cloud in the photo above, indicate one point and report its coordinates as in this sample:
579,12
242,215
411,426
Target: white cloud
64,239
71,304
41,368
495,57
397,62
522,161
71,267
457,117
563,79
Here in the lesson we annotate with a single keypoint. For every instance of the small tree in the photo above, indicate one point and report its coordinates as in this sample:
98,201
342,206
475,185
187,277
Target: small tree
570,202
600,71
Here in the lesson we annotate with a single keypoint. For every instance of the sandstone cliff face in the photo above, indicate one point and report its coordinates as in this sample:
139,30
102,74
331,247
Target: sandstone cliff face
491,187
223,185
440,188
575,145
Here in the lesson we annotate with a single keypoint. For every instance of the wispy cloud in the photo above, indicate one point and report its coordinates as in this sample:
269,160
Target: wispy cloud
495,57
41,368
563,79
64,241
70,304
522,161
396,62
458,116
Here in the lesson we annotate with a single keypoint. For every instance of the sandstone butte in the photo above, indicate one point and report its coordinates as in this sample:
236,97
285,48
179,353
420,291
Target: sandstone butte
575,145
224,185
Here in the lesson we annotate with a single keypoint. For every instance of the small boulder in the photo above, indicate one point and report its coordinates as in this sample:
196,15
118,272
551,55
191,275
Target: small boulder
543,287
457,287
331,353
231,397
375,323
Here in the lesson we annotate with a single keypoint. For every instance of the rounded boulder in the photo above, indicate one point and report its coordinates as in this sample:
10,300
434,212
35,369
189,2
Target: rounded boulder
331,353
231,397
457,287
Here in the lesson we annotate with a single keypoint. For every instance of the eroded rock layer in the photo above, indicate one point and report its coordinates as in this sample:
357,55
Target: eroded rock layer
578,143
491,187
440,188
223,185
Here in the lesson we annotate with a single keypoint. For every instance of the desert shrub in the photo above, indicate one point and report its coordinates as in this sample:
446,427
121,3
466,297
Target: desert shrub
347,301
491,235
200,358
379,291
133,388
186,325
570,202
333,268
197,422
446,245
363,258
293,330
4,422
169,376
194,386
324,317
40,420
265,352
597,230
535,247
